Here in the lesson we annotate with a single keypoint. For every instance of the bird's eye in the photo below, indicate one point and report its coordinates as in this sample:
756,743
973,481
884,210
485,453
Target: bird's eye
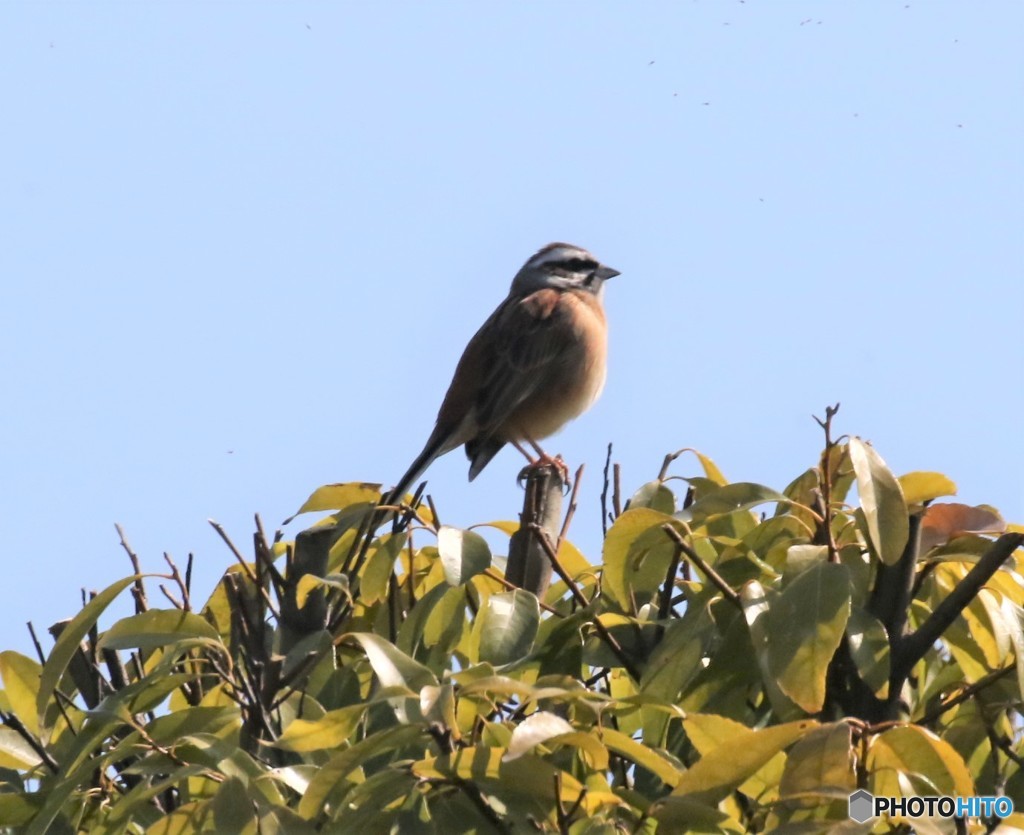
578,265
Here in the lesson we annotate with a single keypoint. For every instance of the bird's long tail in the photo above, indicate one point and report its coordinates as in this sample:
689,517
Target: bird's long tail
434,448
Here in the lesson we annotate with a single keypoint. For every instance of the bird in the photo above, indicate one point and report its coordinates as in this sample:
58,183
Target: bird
538,362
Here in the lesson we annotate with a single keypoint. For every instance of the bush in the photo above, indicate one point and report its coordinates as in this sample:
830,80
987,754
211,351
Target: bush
719,670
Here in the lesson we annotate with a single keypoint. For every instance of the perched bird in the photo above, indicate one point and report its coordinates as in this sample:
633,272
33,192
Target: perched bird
535,364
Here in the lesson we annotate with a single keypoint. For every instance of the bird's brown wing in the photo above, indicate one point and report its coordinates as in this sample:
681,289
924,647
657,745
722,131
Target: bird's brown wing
529,340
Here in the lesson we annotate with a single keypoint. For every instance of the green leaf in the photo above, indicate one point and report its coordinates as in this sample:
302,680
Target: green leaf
819,763
627,747
157,628
757,601
509,622
881,498
728,499
376,571
20,675
330,780
805,626
869,648
655,495
911,760
637,554
921,487
464,554
393,667
69,641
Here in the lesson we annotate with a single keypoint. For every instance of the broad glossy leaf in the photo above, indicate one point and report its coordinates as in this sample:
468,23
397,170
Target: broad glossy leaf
656,496
820,762
805,626
728,499
636,555
157,628
680,814
509,622
332,730
20,675
464,554
930,764
376,572
392,666
730,754
338,497
628,748
533,730
331,780
943,522
869,648
921,487
756,601
69,641
16,753
881,498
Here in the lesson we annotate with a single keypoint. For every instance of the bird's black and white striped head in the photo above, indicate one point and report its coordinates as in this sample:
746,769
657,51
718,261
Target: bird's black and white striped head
562,266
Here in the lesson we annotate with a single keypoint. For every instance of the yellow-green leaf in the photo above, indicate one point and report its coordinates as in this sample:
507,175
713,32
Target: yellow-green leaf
737,753
338,496
921,487
805,625
331,730
157,628
927,764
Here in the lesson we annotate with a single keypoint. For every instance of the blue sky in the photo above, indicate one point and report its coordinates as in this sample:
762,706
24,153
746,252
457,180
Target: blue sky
242,246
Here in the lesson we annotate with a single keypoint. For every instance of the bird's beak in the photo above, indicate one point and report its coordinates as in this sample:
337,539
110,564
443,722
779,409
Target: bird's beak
604,273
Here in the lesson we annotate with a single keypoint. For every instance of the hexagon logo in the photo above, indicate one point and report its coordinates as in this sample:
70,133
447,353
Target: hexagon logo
862,806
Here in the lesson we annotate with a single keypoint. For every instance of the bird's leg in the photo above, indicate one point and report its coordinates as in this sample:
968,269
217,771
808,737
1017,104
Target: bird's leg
543,459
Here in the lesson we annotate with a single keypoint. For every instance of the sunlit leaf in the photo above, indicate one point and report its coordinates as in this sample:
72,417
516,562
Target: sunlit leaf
921,487
943,522
732,755
464,554
881,498
805,626
909,756
157,628
331,730
70,639
730,498
338,496
532,731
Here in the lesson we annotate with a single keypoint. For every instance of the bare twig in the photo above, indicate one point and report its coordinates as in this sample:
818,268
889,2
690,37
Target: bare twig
16,725
912,648
578,595
138,590
825,470
604,492
727,591
572,506
246,568
965,694
617,491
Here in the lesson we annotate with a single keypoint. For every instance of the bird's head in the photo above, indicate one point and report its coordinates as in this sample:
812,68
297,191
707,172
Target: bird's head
562,267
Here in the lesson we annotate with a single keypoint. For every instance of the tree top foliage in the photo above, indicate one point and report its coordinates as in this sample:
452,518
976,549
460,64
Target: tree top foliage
737,659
